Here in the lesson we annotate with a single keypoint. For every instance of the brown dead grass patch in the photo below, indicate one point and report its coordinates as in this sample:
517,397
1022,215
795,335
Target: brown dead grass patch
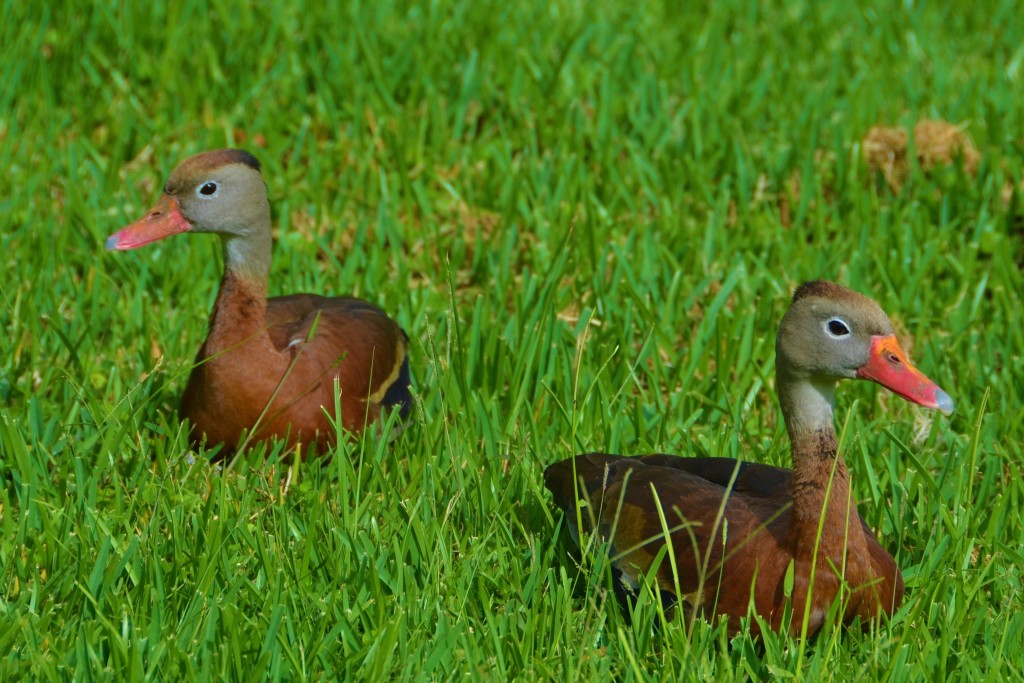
936,143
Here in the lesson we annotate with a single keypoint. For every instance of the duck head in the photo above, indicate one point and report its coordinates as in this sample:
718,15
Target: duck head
220,191
832,333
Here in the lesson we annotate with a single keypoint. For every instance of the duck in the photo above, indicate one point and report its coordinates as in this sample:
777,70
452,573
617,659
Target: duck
751,539
269,367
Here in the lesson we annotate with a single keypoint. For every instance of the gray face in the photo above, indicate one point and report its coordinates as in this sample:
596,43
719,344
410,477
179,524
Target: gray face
827,334
229,199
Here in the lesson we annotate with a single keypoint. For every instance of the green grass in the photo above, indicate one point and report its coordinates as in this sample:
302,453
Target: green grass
575,211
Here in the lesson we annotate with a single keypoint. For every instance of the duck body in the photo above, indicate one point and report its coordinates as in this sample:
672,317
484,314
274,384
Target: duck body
737,529
251,355
269,367
736,561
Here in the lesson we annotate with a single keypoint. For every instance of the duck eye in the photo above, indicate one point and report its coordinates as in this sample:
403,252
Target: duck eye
837,328
207,189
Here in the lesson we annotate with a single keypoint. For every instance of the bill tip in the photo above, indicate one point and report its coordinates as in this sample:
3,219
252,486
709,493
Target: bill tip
943,402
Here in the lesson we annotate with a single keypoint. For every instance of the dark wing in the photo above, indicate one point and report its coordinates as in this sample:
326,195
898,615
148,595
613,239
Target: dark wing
290,318
353,338
598,470
626,499
746,478
592,471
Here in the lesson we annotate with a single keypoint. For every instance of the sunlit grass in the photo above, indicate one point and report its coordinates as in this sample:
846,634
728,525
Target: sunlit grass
589,217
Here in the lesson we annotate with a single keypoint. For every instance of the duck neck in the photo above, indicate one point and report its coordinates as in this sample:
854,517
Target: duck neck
248,256
241,307
821,483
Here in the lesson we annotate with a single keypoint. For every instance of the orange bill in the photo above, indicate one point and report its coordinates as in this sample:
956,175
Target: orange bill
889,366
163,220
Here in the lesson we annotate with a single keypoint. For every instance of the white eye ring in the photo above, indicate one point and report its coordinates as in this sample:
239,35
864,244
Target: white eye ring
208,190
837,328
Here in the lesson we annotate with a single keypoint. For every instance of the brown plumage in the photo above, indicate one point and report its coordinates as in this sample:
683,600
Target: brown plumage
268,366
771,516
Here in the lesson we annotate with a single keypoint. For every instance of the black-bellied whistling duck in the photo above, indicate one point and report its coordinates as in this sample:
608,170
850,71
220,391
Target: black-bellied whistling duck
771,517
268,366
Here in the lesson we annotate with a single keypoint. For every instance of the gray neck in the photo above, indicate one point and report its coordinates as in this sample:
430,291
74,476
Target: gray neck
806,405
248,255
821,483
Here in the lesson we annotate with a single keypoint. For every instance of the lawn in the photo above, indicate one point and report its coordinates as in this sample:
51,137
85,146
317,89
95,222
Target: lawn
589,217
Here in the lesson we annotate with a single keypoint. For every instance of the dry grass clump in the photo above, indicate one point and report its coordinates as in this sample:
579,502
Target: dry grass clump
936,143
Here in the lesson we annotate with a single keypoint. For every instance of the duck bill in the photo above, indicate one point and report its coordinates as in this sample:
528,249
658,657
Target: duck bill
889,366
163,220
